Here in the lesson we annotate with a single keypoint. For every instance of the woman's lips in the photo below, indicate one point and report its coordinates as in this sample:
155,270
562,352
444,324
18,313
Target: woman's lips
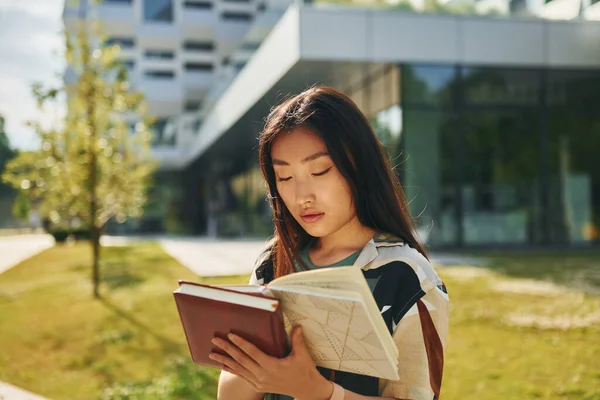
312,217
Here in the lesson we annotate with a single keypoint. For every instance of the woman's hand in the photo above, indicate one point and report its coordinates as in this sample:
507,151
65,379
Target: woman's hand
294,375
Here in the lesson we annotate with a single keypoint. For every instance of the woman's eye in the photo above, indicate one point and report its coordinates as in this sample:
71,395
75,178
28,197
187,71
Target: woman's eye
322,173
284,179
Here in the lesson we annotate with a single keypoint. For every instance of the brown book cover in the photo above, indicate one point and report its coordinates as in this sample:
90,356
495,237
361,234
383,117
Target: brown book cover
209,311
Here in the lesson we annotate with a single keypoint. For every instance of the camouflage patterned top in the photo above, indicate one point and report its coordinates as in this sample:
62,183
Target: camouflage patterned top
414,304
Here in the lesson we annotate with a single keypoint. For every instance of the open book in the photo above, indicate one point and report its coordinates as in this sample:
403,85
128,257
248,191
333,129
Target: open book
342,325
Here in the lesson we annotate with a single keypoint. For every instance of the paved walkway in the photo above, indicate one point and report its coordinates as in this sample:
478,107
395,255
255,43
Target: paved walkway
10,392
14,250
218,257
212,257
221,257
205,256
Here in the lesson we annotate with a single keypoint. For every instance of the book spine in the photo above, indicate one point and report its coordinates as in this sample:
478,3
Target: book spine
185,328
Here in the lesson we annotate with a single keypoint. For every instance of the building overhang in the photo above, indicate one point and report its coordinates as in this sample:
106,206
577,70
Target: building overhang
316,45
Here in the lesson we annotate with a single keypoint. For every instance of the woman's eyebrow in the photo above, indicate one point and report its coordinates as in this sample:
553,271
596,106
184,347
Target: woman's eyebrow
304,160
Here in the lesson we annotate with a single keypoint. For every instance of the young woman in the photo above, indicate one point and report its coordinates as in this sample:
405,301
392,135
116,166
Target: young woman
336,201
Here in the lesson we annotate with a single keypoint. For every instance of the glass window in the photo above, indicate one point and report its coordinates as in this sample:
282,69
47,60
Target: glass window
574,176
202,67
123,42
158,10
159,54
129,64
163,132
198,46
573,143
239,65
196,124
192,105
200,5
518,7
500,86
246,193
159,74
429,173
127,2
236,16
578,89
501,165
500,176
427,85
387,125
250,46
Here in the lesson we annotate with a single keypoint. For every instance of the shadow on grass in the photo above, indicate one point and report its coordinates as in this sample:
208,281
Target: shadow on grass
119,278
81,267
167,345
134,257
141,253
125,266
575,270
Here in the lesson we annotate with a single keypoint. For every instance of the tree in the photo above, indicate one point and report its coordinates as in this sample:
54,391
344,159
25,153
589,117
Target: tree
22,206
95,167
6,153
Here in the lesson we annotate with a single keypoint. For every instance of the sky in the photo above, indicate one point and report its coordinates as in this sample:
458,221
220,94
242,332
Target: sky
31,46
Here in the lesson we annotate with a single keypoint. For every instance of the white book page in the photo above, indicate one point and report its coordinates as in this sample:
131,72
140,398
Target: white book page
329,281
208,292
339,332
243,288
316,277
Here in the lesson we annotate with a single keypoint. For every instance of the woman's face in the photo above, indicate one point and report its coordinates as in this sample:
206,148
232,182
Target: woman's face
310,185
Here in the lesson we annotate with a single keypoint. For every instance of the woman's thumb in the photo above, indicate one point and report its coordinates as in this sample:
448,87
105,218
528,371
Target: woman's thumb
297,338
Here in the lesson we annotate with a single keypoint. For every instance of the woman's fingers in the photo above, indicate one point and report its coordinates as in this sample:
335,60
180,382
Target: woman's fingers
233,367
251,350
238,355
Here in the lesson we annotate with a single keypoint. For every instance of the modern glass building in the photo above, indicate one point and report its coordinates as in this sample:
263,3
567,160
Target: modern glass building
500,155
487,155
492,123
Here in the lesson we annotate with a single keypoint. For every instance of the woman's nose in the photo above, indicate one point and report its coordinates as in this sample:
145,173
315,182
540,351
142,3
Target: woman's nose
304,192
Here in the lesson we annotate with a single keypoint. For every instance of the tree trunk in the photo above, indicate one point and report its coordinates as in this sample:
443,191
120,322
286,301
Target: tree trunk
95,230
90,97
95,241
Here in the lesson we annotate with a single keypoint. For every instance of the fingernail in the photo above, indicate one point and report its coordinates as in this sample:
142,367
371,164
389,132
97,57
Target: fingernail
215,342
212,357
232,337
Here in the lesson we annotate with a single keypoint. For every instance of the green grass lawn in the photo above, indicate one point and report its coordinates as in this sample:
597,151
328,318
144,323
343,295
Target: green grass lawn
524,327
59,342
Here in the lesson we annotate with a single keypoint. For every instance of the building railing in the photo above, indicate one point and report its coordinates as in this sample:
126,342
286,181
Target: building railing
543,9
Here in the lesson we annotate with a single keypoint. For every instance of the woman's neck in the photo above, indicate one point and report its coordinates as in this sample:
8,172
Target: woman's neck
351,237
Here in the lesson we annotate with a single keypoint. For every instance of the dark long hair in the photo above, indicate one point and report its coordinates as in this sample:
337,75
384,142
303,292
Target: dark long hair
359,156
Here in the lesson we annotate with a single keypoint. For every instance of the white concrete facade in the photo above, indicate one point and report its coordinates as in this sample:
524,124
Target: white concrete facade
175,61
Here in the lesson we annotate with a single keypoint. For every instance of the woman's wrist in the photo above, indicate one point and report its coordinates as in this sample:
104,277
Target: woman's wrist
320,389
